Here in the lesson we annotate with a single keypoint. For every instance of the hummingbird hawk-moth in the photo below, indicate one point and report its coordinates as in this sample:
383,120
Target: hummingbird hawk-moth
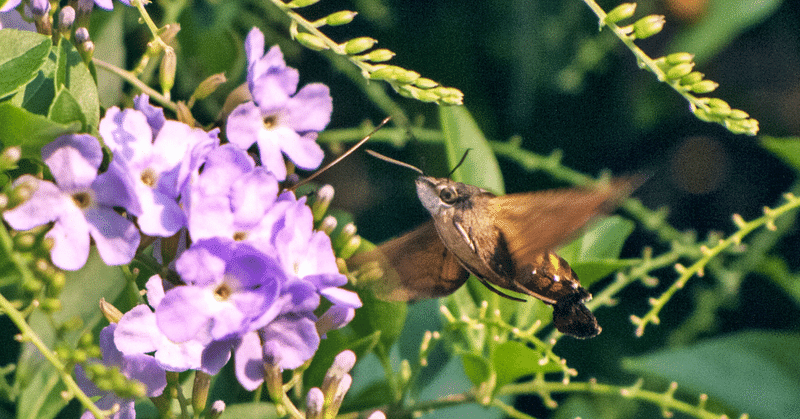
505,241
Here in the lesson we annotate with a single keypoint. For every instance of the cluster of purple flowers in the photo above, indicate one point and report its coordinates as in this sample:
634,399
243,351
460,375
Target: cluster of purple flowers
255,270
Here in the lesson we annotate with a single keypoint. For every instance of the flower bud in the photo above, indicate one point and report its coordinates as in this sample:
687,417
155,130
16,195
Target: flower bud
377,415
705,86
350,247
50,305
719,107
406,76
311,41
621,12
169,32
692,78
338,395
209,86
425,83
323,201
359,45
328,224
66,18
301,3
111,313
39,8
335,318
648,26
738,114
379,55
202,382
166,74
217,408
81,35
344,236
679,71
679,58
315,402
340,18
9,158
383,72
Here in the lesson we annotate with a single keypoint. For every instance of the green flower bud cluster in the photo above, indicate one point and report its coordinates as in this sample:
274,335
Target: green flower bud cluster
39,282
677,70
641,29
359,51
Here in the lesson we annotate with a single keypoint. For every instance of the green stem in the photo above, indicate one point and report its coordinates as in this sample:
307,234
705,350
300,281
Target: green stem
28,335
132,79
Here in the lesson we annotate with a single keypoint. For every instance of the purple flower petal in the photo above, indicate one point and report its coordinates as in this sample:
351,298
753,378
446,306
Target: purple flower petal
115,236
248,360
185,312
243,126
303,151
70,240
289,341
310,109
115,188
155,115
44,205
252,195
127,134
73,160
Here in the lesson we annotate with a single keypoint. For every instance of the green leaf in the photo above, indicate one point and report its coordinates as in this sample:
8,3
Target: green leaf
22,53
72,73
722,23
476,368
787,149
753,372
40,384
461,133
19,127
65,109
595,254
375,315
514,360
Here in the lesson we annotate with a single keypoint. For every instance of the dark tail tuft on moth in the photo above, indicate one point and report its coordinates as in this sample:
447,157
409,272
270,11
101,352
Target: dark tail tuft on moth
572,318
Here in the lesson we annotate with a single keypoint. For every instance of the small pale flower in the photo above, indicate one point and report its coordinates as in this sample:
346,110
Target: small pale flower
80,204
280,119
159,161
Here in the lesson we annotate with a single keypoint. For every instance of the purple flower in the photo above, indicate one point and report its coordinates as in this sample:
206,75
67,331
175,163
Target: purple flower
137,333
80,203
138,367
280,119
232,198
307,255
159,159
232,289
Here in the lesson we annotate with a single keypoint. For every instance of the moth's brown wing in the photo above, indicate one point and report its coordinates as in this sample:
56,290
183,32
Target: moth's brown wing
416,265
532,223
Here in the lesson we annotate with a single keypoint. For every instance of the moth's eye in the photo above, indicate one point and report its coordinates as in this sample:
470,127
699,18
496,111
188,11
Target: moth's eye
448,195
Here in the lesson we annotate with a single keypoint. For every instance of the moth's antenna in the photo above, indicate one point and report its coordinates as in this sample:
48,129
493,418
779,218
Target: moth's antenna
338,159
460,162
393,161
